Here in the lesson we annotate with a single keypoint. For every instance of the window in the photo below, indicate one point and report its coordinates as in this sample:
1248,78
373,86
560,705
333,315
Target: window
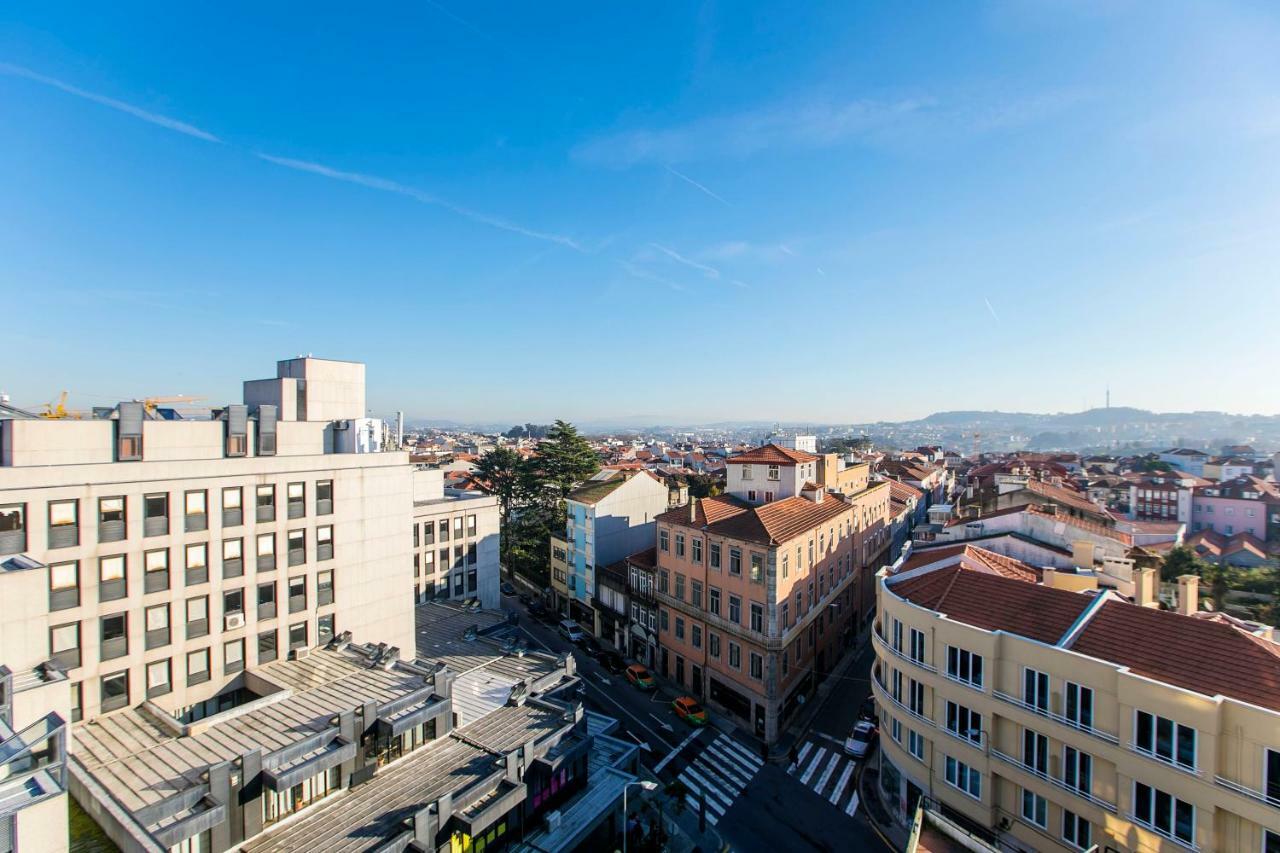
196,511
197,617
964,723
696,552
964,666
917,646
457,526
297,594
897,636
1079,708
714,555
695,590
735,561
266,600
1077,769
297,547
757,568
915,697
197,563
158,681
197,667
757,616
746,472
232,601
1035,751
664,540
64,524
785,571
266,503
895,729
266,545
64,585
680,545
115,635
679,586
1035,690
713,645
267,642
115,691
679,628
324,588
233,657
64,644
444,529
111,519
965,778
1166,740
735,655
324,497
664,618
786,615
471,524
915,744
773,472
232,558
112,582
751,495
13,528
297,635
1271,775
757,666
1035,809
296,498
713,600
155,514
324,628
1075,830
77,703
735,609
232,507
156,620
429,533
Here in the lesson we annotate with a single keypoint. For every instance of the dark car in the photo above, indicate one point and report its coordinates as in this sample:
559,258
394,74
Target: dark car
868,710
507,588
589,645
612,662
525,598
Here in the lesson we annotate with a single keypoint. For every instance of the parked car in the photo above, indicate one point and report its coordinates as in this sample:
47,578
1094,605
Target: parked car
525,598
868,709
590,645
641,677
612,662
688,709
571,630
858,744
507,588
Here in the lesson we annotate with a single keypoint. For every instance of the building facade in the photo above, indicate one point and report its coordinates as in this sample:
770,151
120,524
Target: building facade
455,543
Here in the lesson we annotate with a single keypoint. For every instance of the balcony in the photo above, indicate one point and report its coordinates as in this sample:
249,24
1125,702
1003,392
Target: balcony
1055,782
32,764
888,697
1057,718
1246,791
1176,765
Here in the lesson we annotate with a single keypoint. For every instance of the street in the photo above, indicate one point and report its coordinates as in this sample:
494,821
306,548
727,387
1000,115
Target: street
749,804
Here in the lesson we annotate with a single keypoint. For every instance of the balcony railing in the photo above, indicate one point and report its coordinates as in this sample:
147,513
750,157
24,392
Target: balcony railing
1054,781
1057,718
1149,827
888,649
903,708
1245,790
1176,765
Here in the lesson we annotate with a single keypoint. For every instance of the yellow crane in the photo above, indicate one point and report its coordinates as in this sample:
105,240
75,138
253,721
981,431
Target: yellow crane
59,411
150,404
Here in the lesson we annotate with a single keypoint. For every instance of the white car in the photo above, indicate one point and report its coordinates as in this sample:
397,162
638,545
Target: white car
859,743
571,630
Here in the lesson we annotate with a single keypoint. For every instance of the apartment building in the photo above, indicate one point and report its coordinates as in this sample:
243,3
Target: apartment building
1059,717
152,560
1245,504
455,543
758,589
608,517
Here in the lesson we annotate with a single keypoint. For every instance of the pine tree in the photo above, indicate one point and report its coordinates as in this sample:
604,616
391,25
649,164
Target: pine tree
565,458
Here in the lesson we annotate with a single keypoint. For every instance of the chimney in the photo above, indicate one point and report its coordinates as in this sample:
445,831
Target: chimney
1144,587
693,510
1188,594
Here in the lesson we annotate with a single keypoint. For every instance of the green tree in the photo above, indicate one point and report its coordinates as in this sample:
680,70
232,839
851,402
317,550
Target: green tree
504,473
1220,580
565,458
1180,561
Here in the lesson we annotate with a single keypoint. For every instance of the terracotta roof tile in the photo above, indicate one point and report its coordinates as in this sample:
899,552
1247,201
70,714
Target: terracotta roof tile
995,603
973,557
1208,656
1069,497
768,524
903,491
772,454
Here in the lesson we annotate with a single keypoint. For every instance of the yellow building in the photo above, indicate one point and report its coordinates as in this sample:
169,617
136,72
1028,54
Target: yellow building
1059,718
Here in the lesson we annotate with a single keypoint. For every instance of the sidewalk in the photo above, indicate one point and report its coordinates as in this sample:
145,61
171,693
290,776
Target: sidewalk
890,832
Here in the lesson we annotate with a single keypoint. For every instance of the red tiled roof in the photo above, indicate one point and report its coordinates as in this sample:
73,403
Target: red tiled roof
769,524
1219,544
903,491
1070,498
1084,524
646,559
772,454
973,557
1210,657
1009,510
994,602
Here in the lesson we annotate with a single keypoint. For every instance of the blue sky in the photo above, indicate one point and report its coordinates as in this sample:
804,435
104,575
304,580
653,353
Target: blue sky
676,211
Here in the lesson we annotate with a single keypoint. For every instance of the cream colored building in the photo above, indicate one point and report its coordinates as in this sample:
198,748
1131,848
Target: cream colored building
455,543
156,560
1060,716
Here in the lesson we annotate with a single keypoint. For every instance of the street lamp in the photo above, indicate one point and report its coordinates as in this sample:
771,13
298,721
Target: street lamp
646,785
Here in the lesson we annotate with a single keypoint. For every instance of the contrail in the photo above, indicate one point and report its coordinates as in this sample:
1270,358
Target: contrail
121,106
992,310
693,183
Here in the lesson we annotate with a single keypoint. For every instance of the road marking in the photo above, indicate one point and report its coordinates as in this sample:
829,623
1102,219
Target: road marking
698,784
826,774
721,772
733,759
844,780
813,765
853,805
804,750
837,741
672,754
737,750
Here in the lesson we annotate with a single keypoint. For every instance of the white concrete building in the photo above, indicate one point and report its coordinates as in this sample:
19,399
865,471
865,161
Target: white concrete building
455,543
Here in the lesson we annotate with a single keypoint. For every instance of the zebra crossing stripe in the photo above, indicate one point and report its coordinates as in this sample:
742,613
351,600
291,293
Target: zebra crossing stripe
739,751
813,765
844,780
826,774
730,759
853,805
725,772
804,751
703,786
693,806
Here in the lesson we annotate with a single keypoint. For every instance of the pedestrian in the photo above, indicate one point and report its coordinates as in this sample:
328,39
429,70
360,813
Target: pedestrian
764,752
793,757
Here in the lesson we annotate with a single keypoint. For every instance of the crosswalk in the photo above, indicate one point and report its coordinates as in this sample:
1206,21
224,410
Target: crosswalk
719,772
823,768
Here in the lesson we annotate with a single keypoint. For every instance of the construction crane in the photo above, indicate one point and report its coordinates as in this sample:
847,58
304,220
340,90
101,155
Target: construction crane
150,404
59,411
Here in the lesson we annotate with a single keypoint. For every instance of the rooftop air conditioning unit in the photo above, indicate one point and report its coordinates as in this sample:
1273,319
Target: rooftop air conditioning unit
300,654
234,620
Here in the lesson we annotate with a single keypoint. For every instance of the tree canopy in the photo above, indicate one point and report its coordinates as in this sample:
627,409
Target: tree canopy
565,458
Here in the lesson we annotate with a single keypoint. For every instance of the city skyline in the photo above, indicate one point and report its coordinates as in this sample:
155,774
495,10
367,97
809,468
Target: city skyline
1029,197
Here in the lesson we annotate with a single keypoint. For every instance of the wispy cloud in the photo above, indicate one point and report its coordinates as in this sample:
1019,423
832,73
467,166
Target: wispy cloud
814,125
389,186
691,182
994,315
744,250
137,112
644,275
708,271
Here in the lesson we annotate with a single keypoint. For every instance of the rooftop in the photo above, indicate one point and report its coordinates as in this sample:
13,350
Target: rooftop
772,454
768,524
